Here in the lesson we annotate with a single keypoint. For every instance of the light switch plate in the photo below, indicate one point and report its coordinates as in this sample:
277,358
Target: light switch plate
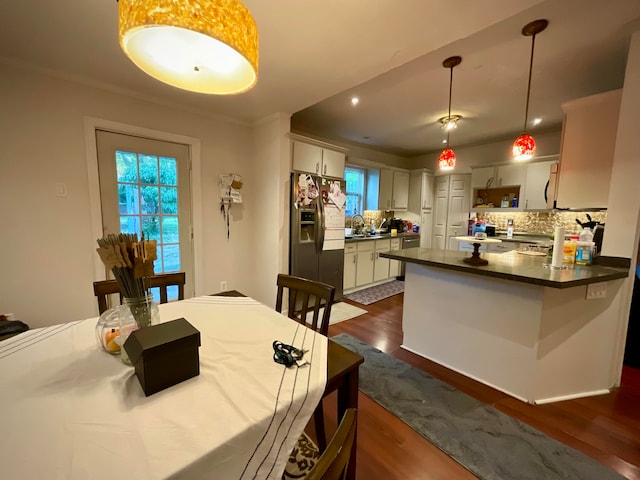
597,291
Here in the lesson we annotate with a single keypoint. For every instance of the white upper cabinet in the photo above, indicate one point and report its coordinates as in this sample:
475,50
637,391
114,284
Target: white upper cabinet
536,186
586,155
394,189
318,160
498,176
420,191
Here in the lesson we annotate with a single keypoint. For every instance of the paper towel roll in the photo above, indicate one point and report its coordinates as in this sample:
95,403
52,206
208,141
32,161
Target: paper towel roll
558,247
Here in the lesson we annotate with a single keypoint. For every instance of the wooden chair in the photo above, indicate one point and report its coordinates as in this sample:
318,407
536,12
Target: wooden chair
308,297
103,288
332,464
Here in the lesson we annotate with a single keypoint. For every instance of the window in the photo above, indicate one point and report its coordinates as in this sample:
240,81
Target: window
355,190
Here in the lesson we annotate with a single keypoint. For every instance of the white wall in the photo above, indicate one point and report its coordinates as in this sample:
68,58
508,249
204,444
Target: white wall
47,254
622,232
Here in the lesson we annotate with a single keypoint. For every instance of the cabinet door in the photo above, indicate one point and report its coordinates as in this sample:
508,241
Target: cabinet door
364,268
400,192
427,190
458,209
535,186
425,229
381,265
394,265
332,163
307,157
349,279
441,199
508,175
481,176
386,189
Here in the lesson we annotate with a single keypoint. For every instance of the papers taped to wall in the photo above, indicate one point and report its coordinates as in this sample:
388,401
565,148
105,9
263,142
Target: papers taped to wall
230,185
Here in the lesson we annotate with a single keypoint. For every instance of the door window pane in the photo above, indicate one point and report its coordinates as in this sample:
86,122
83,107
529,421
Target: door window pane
148,169
128,198
151,227
169,196
171,258
168,171
126,166
150,200
170,229
130,224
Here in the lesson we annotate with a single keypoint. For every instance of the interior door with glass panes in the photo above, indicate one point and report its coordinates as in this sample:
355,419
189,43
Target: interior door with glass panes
145,188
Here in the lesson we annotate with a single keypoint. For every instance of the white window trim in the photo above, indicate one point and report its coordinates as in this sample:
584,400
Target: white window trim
91,124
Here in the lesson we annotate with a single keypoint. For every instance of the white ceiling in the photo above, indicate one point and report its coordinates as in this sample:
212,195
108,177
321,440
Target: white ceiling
315,54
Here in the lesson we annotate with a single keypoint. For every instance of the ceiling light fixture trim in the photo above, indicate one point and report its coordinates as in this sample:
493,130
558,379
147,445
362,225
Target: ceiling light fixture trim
449,122
204,46
447,159
524,146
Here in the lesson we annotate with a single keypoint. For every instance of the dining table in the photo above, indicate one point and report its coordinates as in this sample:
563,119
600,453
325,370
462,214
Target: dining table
70,410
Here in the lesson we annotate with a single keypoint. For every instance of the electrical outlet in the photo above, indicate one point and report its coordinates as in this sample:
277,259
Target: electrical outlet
223,286
597,291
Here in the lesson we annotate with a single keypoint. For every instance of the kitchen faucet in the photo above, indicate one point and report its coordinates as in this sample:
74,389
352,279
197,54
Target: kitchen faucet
360,225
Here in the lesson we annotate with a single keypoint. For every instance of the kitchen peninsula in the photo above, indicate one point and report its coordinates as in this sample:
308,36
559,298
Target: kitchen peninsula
513,324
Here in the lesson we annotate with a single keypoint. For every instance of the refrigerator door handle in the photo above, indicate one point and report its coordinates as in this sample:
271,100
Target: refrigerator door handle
320,225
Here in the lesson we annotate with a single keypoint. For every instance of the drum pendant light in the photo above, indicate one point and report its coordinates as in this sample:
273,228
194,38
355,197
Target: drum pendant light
447,159
524,146
204,46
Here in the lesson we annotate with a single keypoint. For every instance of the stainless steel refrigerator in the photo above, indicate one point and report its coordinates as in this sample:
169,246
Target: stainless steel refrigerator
316,246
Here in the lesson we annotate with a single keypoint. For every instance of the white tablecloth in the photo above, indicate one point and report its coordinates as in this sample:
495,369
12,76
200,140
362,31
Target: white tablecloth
68,410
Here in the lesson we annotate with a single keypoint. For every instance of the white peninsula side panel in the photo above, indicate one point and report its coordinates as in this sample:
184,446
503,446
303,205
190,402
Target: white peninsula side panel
536,343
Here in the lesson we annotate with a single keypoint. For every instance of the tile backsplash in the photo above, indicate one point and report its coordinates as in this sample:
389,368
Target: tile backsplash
541,222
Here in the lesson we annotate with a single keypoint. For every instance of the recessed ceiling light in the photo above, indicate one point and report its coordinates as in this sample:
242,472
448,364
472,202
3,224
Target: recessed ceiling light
536,121
355,101
444,141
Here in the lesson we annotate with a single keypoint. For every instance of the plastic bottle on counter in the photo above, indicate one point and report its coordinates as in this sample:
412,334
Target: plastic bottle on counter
510,228
585,247
569,249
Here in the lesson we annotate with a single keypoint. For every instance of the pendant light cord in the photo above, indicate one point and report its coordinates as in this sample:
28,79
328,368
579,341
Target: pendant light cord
449,115
526,109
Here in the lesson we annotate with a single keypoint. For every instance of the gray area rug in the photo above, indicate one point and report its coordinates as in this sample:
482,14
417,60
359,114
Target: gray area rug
490,444
367,296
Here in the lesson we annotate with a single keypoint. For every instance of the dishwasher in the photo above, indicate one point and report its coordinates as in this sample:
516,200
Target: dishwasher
408,242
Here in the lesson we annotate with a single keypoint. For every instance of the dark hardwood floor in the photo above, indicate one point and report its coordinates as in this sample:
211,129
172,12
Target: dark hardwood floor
605,427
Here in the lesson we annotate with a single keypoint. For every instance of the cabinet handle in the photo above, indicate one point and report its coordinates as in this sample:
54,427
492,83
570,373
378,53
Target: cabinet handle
355,258
393,202
526,204
373,256
325,169
317,167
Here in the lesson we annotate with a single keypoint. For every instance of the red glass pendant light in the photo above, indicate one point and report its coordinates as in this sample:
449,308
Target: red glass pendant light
447,158
524,146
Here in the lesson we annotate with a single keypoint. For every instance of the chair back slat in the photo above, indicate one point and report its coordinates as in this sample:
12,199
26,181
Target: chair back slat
102,289
332,464
306,297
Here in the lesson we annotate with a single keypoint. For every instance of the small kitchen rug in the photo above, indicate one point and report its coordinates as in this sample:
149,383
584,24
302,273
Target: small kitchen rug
485,441
371,295
340,311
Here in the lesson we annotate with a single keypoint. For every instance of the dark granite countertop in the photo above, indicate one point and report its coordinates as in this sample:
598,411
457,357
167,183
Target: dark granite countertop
517,267
378,236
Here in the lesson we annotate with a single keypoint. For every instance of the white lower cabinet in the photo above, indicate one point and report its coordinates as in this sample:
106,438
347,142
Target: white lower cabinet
394,265
381,265
364,263
350,258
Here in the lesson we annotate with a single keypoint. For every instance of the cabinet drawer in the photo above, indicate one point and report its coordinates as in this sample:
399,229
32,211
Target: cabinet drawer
349,247
395,244
502,247
381,245
366,246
